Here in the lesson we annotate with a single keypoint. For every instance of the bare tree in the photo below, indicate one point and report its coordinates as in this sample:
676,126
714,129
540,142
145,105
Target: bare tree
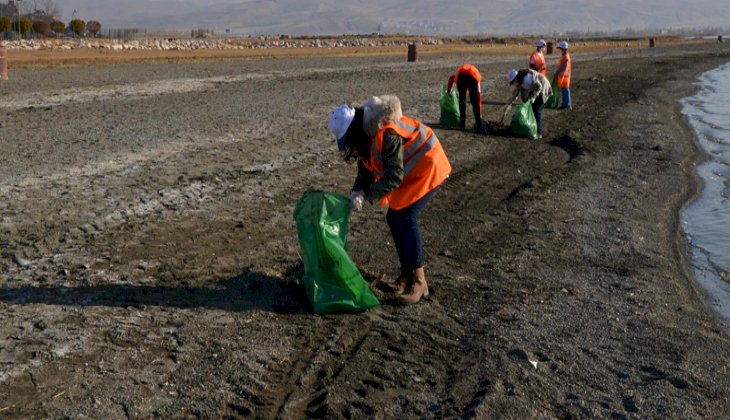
5,24
93,26
58,27
42,28
77,26
49,7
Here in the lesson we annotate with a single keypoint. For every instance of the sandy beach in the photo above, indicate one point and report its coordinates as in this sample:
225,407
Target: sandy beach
149,264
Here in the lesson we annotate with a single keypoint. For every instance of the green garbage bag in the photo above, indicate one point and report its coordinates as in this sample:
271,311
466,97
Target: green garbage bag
523,121
449,108
553,101
332,281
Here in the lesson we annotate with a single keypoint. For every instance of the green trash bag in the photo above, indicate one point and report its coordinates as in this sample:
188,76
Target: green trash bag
553,101
523,121
332,281
449,108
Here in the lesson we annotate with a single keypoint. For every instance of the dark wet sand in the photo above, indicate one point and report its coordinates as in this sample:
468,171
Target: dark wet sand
149,260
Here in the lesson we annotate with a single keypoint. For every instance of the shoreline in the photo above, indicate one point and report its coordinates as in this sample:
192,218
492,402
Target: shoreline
694,191
709,288
150,256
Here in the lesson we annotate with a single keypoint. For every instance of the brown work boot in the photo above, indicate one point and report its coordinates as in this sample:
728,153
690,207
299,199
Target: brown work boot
419,288
400,284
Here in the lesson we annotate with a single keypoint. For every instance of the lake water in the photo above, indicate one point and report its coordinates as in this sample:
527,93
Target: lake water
707,220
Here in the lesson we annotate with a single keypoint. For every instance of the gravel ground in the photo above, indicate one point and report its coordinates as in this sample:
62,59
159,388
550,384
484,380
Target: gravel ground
149,262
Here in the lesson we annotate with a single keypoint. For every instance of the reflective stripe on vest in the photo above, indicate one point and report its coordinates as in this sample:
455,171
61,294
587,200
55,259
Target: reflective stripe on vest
425,165
563,78
412,150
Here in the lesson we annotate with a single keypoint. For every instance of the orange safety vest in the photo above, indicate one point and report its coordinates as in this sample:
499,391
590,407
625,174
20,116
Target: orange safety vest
538,61
425,165
564,76
470,70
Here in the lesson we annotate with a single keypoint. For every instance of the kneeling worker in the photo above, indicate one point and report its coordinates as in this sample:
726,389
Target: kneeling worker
400,164
468,80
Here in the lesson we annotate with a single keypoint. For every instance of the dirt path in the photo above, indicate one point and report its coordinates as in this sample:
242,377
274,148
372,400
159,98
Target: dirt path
149,259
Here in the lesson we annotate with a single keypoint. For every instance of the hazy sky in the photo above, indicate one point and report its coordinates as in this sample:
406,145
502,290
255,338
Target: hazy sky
406,16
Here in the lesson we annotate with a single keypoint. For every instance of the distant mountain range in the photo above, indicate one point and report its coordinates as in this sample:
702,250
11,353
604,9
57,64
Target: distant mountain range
437,17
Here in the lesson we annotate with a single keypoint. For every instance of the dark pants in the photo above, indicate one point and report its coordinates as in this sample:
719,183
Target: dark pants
465,83
537,108
403,226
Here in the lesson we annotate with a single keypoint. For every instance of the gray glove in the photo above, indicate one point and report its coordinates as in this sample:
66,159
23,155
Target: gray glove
357,200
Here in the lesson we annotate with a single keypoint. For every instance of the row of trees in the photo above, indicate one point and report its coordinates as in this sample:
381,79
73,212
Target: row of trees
24,26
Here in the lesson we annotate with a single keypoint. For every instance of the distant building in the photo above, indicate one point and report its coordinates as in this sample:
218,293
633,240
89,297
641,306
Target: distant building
39,16
9,10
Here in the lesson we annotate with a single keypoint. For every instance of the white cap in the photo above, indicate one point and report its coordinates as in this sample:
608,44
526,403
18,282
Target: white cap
340,120
540,43
563,45
511,75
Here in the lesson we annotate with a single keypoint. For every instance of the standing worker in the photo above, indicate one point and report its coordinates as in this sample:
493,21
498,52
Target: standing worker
468,79
537,59
401,164
530,86
562,76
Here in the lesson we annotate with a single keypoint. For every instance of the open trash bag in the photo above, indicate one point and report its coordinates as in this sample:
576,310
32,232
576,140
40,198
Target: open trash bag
331,279
449,108
553,101
524,122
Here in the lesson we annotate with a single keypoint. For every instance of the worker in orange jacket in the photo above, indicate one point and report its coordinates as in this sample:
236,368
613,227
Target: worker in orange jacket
468,80
537,59
400,165
562,75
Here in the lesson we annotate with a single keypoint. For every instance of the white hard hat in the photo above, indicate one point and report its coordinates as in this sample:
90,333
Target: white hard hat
527,81
340,120
563,45
540,43
511,75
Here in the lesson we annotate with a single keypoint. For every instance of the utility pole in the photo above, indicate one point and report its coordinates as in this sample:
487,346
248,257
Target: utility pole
20,34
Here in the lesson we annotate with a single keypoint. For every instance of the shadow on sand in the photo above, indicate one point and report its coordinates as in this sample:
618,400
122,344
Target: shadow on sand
493,128
248,291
